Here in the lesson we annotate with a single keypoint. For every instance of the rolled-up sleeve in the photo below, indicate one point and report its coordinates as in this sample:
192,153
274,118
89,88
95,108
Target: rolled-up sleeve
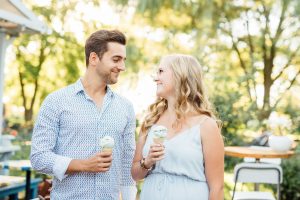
128,184
44,137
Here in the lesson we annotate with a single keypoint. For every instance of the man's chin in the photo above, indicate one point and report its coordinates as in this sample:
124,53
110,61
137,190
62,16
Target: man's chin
111,82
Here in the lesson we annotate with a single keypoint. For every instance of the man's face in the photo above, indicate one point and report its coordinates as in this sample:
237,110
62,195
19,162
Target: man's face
111,63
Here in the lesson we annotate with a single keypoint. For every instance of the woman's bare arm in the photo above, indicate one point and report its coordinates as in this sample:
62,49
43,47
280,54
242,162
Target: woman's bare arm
156,153
213,151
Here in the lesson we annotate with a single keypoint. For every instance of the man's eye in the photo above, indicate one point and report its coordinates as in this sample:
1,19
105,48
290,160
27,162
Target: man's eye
160,71
116,60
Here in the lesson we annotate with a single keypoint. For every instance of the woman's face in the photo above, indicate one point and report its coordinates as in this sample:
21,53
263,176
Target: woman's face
165,81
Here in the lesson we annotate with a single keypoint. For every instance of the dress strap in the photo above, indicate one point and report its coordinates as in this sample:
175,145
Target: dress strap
203,120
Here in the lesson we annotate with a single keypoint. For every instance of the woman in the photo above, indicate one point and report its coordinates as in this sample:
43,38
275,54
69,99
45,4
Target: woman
189,164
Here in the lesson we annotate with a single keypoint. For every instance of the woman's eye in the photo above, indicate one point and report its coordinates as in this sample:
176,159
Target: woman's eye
115,60
160,71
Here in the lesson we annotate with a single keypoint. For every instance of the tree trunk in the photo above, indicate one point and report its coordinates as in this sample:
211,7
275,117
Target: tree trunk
28,115
267,72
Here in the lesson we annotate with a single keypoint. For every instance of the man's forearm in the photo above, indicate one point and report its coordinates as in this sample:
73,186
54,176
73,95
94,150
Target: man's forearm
76,165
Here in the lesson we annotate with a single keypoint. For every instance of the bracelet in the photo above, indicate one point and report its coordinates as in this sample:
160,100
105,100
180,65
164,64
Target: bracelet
142,164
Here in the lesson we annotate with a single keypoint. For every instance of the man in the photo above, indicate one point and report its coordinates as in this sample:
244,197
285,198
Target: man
71,122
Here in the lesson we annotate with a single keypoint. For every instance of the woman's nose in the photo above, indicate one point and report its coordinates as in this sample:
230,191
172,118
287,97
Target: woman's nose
154,77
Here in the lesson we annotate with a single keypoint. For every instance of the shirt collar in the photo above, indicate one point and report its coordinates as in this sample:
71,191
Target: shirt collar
78,87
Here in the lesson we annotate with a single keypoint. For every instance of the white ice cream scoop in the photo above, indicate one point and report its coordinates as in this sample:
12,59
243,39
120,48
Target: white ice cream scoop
107,143
159,134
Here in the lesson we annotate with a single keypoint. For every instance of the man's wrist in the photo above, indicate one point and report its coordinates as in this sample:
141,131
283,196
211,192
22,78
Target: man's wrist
82,165
76,165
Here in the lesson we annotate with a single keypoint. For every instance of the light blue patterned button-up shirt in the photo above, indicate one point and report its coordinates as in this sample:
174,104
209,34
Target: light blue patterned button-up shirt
70,126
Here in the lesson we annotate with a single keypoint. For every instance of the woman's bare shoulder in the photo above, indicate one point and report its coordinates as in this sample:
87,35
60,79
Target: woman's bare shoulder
209,126
205,120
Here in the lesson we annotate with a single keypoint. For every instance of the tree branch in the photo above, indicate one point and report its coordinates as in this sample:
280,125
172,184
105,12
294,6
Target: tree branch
242,64
281,19
265,31
278,33
291,84
251,52
39,67
22,89
18,55
249,39
287,64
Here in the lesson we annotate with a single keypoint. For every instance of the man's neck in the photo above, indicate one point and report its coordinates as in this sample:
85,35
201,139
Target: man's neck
93,85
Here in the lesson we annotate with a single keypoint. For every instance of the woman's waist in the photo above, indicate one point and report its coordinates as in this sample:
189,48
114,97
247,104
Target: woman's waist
172,176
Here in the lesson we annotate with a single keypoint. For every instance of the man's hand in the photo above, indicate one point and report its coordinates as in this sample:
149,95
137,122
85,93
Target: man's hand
100,162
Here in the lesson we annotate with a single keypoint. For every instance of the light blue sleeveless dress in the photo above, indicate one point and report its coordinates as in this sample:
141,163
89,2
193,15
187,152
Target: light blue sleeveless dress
180,175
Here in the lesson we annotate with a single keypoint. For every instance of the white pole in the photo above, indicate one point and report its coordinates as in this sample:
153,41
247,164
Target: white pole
4,42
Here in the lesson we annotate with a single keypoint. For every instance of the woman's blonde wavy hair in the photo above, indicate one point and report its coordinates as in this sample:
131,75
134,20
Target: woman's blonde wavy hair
189,91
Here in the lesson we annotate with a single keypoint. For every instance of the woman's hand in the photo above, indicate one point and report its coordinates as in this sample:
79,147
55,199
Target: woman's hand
140,165
156,153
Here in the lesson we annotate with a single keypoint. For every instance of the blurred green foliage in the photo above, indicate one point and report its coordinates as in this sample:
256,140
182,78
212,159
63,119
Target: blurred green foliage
291,177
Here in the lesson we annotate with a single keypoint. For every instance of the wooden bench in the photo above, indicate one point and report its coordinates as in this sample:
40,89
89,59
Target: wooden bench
12,185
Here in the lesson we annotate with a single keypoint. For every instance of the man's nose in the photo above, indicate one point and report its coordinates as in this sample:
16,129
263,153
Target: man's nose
122,66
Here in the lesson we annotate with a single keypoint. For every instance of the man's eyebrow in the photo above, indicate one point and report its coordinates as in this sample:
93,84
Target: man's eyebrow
117,56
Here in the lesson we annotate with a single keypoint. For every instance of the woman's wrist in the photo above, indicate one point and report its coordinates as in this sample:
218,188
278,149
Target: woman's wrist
145,165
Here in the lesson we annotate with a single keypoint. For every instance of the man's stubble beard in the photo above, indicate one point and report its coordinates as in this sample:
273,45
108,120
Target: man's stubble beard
109,80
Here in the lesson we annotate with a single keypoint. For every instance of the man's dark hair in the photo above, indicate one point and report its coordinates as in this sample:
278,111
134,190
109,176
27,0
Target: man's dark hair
97,42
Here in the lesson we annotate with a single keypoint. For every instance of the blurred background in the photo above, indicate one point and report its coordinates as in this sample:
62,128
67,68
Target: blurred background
249,51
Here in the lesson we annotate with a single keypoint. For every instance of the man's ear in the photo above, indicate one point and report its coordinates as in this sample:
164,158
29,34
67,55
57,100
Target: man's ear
93,58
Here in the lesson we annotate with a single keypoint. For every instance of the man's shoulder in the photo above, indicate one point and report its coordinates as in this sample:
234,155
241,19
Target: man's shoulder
61,94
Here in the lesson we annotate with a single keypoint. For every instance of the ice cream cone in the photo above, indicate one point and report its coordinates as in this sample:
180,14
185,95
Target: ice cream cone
107,144
159,134
158,140
107,149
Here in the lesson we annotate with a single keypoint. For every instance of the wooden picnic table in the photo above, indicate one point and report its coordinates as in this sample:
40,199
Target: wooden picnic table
255,152
23,165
